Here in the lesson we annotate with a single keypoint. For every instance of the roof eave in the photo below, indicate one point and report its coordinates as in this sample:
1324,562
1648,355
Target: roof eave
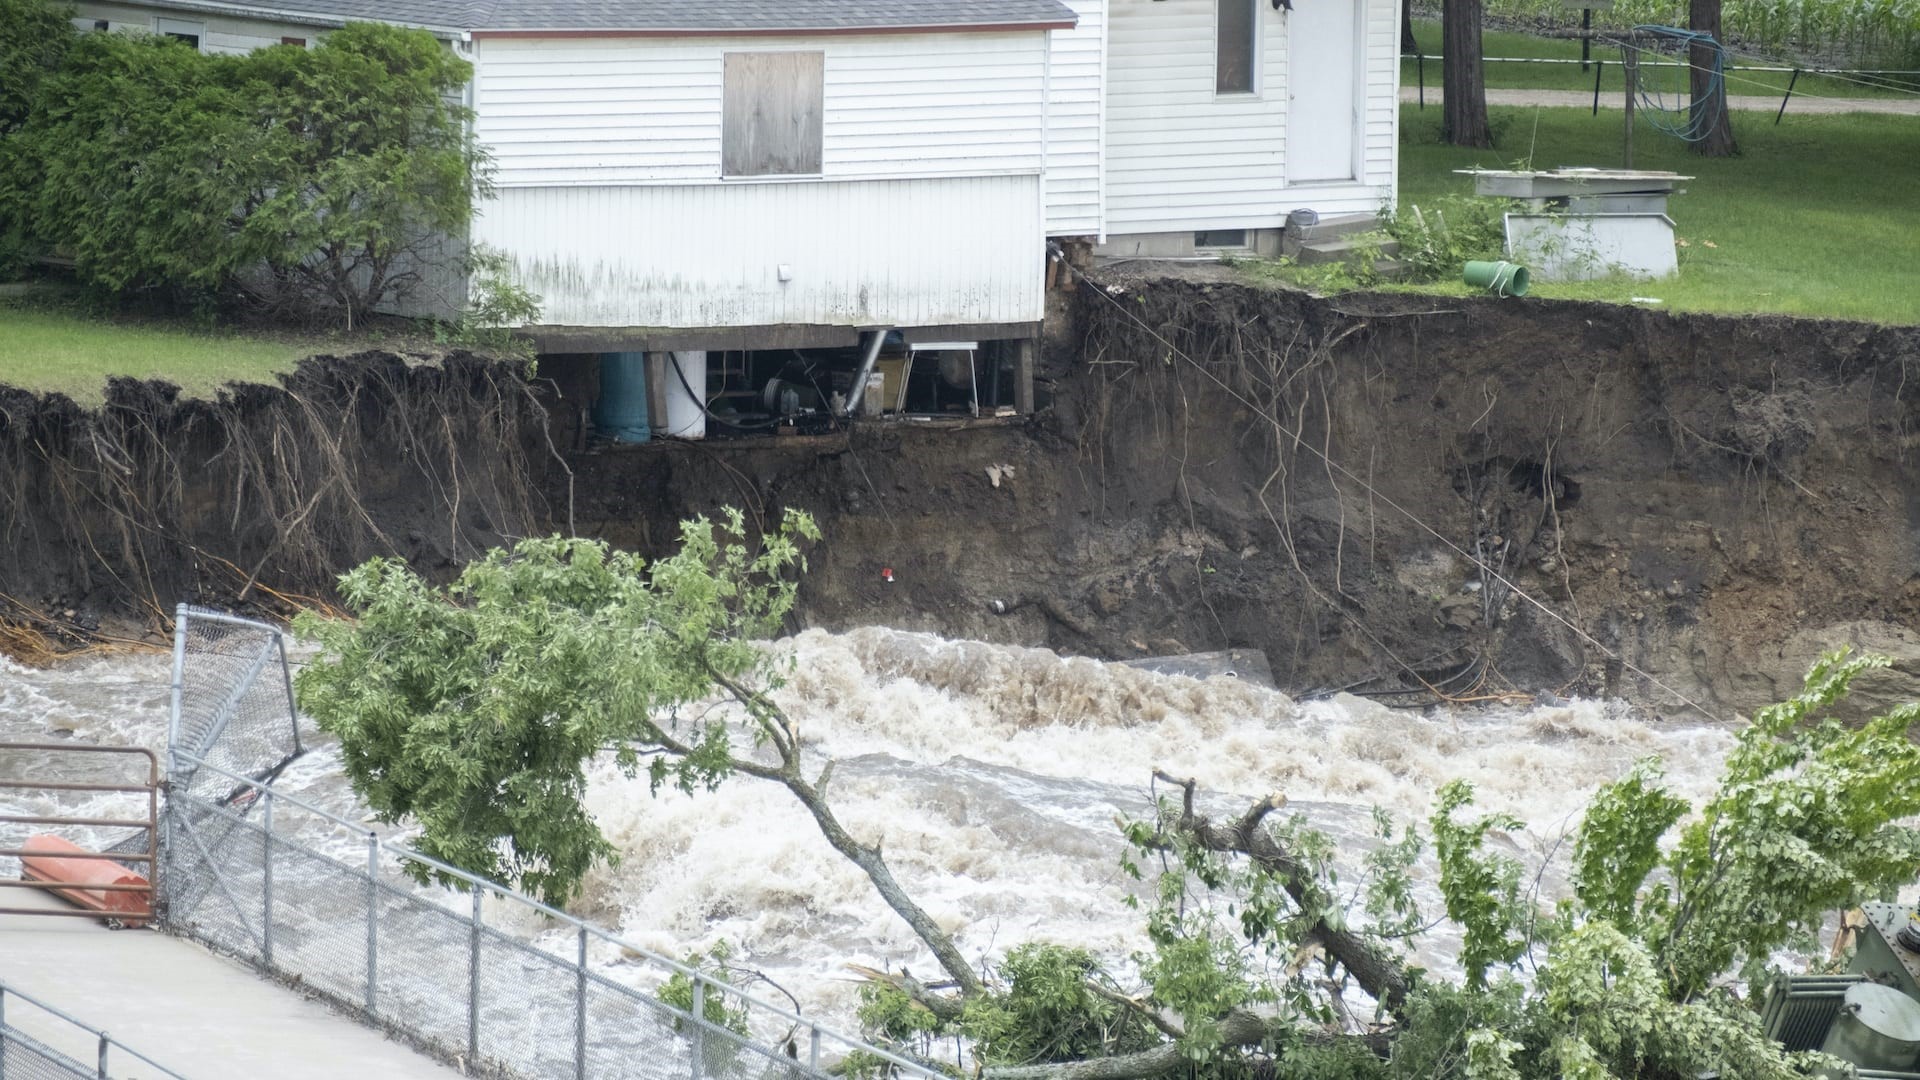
793,31
274,13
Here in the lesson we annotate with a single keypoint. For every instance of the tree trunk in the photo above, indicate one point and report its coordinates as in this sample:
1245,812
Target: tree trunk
1409,45
1463,108
1709,109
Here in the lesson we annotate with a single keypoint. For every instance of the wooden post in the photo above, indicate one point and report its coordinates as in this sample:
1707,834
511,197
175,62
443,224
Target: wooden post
1023,376
1631,62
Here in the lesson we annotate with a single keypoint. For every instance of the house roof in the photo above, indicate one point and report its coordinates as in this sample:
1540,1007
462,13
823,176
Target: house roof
659,16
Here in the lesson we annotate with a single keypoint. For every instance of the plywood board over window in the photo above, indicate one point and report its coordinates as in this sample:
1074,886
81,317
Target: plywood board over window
773,102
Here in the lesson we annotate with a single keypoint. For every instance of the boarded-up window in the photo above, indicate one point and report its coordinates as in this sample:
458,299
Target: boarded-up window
772,122
1234,40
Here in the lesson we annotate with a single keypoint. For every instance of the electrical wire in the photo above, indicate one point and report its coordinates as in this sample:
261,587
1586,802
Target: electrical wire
1296,436
1699,123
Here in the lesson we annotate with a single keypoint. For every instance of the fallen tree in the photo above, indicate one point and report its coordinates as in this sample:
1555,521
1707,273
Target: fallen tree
474,708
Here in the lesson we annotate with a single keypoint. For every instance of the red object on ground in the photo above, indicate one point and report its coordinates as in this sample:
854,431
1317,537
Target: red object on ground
85,876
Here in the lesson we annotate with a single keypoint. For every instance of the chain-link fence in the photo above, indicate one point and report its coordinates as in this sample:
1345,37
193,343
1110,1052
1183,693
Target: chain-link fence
232,702
54,1048
485,976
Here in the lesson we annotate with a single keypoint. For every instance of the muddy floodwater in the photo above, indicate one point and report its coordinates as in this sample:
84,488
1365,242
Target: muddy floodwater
992,776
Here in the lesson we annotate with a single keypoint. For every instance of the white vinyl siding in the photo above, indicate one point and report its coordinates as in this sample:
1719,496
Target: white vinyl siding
222,34
928,252
1182,158
648,110
1075,122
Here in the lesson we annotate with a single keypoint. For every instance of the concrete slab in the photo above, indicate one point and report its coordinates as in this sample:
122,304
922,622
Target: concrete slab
201,1015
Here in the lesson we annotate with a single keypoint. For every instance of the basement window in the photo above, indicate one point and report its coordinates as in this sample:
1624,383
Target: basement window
300,41
1220,238
181,30
772,121
1236,33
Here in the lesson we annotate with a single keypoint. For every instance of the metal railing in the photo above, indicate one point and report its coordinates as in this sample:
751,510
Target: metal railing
144,853
25,1057
426,963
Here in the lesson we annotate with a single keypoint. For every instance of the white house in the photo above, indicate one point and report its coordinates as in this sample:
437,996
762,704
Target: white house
811,174
1221,117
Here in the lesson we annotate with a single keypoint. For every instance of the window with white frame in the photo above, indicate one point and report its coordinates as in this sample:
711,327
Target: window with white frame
1235,41
181,30
771,123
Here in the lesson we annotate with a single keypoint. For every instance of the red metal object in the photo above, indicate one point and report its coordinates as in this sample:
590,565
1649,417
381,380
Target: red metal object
95,882
88,881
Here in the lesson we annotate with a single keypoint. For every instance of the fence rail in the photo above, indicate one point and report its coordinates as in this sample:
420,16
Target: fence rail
243,872
25,1057
130,899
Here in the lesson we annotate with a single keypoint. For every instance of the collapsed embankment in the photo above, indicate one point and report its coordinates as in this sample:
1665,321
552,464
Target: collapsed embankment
261,497
1710,498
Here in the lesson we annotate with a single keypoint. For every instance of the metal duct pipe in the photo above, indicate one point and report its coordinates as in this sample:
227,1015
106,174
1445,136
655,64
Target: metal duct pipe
859,388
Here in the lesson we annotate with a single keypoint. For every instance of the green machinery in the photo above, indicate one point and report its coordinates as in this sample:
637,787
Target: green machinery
1870,1015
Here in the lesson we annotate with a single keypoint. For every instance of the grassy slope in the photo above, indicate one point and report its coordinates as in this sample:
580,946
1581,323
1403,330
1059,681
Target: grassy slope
74,354
1496,43
1813,218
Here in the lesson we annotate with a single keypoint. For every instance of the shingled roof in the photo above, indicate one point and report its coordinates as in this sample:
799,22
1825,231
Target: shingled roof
657,16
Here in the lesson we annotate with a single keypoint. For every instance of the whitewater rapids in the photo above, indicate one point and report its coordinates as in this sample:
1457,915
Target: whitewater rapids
991,776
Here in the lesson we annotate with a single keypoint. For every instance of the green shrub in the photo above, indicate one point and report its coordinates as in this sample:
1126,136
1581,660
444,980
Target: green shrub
297,180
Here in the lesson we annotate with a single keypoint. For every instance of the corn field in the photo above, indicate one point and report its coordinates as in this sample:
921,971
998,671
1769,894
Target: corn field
1861,33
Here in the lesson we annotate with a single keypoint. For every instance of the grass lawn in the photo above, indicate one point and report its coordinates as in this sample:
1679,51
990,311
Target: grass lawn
73,354
1815,217
1499,43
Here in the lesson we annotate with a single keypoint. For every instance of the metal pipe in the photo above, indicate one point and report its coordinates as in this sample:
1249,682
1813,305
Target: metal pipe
473,983
699,1036
266,877
580,1012
859,388
1598,67
1787,98
49,785
105,823
103,857
373,922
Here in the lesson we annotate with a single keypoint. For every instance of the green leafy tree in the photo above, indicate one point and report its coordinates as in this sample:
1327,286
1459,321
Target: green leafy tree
325,180
368,161
474,707
34,38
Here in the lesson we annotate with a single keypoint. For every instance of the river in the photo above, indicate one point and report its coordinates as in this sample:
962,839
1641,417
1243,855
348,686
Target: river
992,776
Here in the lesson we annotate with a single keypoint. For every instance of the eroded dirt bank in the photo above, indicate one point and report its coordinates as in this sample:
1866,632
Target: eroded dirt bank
1712,498
260,498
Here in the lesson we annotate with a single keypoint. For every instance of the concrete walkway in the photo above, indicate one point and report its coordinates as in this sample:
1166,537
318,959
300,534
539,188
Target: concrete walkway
1583,99
203,1016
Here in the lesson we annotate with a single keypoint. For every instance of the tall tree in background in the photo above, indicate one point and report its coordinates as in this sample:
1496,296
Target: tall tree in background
1707,94
1463,110
1408,43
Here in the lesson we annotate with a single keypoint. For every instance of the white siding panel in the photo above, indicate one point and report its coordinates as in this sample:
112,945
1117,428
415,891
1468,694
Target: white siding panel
1077,60
1168,130
1180,158
952,251
223,34
647,110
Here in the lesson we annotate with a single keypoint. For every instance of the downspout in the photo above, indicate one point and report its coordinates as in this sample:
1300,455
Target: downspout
859,389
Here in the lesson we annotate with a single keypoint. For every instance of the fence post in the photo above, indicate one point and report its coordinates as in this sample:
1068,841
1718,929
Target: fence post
266,876
813,1051
699,1023
473,981
1791,83
580,1012
3,1031
102,1070
373,922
